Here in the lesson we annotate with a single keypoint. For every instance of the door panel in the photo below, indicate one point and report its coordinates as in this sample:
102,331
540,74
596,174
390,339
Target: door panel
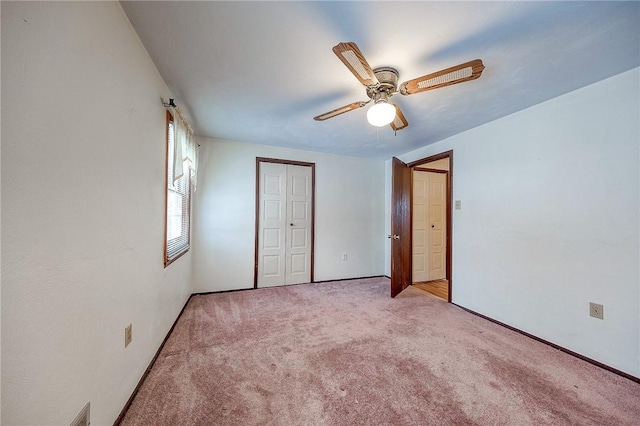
272,210
400,227
299,263
271,238
418,265
420,218
271,241
437,262
438,225
300,182
299,210
298,247
299,238
271,266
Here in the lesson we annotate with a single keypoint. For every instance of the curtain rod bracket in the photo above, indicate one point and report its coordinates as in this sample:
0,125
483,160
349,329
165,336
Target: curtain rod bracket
170,104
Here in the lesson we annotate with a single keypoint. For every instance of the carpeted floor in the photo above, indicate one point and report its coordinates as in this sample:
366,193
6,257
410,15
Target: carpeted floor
345,353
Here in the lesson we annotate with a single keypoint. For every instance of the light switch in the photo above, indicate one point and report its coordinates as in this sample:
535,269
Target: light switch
458,204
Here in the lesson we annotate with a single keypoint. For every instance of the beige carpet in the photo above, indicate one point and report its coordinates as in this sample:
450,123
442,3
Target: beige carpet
344,353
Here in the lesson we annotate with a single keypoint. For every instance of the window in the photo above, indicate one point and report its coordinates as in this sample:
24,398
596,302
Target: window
177,217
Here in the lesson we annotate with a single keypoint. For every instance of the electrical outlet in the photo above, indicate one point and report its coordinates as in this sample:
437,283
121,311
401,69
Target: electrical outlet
458,204
596,310
127,335
344,256
82,419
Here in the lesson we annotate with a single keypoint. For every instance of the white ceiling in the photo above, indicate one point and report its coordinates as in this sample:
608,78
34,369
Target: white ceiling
259,72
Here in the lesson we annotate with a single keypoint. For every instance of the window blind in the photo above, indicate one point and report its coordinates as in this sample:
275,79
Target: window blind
177,217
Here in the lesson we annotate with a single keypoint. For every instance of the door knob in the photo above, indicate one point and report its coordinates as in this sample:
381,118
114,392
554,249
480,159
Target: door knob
291,224
433,226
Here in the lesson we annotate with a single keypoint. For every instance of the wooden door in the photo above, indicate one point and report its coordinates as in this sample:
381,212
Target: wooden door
437,225
298,225
400,227
420,227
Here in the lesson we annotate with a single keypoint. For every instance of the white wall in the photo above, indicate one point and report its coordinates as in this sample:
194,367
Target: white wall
83,195
550,219
349,214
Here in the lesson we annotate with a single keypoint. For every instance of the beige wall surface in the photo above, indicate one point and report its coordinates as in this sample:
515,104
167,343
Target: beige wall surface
83,159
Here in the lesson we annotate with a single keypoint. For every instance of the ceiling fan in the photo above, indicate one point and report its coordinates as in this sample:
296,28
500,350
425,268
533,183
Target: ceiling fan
382,83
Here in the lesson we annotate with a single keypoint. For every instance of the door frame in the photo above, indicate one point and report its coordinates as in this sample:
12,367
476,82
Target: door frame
449,213
313,210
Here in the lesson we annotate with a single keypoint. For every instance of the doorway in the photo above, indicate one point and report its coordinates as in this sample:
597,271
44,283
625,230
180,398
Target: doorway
284,222
429,225
401,222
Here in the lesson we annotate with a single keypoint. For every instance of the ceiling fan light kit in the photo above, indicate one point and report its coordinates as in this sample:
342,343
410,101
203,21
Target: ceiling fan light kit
382,112
382,83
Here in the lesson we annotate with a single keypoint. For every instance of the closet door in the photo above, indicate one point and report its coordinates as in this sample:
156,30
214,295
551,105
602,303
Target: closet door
284,224
272,224
298,235
420,220
438,226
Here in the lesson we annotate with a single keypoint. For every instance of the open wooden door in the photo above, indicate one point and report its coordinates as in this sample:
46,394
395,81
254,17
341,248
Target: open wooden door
400,227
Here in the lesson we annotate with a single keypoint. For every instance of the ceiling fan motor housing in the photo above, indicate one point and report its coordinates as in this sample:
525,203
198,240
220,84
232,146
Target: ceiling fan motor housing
388,82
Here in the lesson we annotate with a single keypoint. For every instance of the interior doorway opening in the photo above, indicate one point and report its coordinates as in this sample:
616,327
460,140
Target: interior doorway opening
428,227
402,210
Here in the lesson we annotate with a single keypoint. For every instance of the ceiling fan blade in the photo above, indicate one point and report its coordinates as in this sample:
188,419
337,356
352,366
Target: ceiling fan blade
454,75
399,122
339,111
351,56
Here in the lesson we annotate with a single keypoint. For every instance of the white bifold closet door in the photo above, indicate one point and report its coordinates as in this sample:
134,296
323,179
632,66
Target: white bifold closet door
284,239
